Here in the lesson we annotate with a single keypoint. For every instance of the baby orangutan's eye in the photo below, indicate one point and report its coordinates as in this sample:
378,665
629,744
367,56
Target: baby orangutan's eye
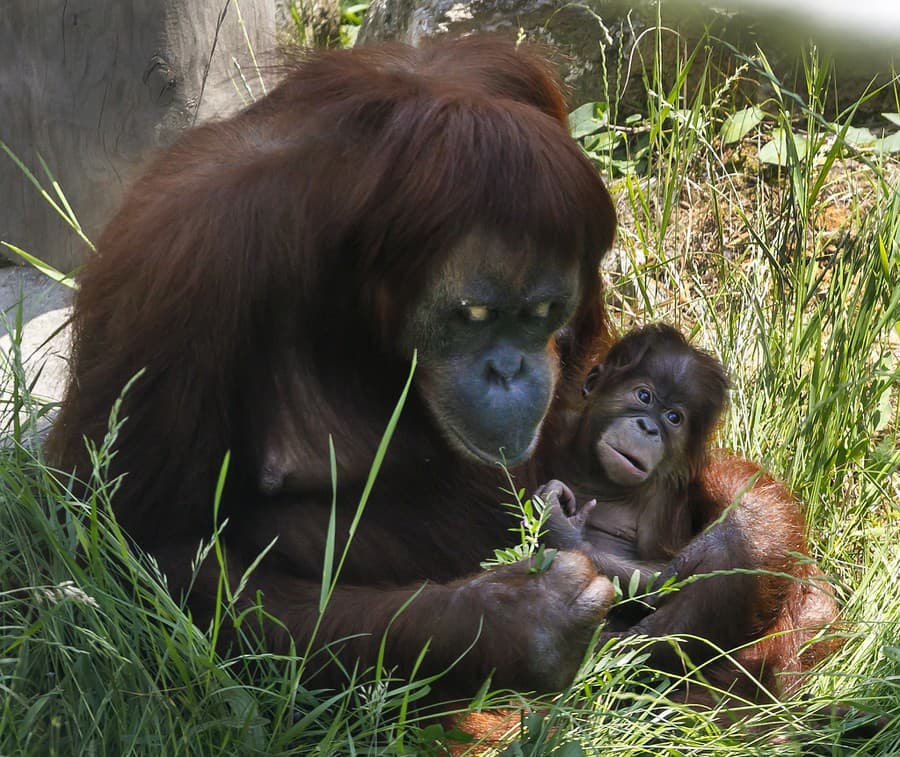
674,417
644,395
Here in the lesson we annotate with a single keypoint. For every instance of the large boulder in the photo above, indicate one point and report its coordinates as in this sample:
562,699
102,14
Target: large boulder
583,40
604,47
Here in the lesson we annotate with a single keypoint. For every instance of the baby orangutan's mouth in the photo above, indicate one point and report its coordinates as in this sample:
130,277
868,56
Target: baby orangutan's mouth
621,467
633,460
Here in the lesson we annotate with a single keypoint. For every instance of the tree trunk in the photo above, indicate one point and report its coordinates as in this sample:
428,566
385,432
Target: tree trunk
92,86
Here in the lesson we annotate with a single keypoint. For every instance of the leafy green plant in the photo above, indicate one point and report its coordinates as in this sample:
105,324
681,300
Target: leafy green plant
529,516
351,16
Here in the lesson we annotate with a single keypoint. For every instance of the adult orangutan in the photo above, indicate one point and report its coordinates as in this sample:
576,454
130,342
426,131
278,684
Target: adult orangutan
272,275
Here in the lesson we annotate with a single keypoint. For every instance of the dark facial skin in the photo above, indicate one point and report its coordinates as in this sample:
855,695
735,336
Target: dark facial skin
483,331
638,432
640,438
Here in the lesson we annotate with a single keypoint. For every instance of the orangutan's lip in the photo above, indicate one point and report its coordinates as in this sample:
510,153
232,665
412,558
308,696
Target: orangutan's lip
632,466
487,457
633,461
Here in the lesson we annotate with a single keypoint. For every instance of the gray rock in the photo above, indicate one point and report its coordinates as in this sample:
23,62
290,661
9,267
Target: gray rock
41,345
603,46
577,32
36,292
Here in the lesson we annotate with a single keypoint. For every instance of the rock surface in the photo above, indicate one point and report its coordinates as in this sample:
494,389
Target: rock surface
604,47
42,307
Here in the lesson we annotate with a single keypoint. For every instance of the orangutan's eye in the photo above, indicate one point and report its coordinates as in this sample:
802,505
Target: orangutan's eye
475,313
644,395
542,309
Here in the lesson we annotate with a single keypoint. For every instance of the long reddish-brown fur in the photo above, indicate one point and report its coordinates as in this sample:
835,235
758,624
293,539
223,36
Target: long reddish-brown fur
788,613
259,272
243,270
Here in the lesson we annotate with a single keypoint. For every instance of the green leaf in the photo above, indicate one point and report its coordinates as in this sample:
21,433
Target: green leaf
603,142
617,167
64,210
741,123
887,145
532,722
331,534
570,749
587,119
436,731
617,588
634,583
778,152
680,115
859,137
894,118
884,413
480,698
886,266
543,559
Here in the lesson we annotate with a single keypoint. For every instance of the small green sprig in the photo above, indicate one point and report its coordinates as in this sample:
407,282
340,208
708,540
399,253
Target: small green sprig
531,516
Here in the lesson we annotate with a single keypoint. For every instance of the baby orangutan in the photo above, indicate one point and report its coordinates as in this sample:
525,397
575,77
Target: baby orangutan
637,446
637,454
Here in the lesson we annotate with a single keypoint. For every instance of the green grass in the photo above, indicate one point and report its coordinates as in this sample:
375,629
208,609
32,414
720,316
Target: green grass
789,271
